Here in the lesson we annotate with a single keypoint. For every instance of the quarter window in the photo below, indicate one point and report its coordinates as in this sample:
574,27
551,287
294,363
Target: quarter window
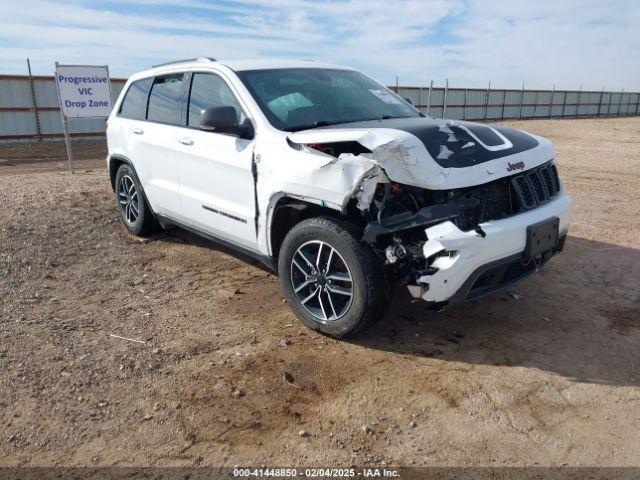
134,105
164,100
209,90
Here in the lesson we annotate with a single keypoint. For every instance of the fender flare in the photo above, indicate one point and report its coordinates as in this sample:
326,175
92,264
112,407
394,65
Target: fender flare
117,159
296,200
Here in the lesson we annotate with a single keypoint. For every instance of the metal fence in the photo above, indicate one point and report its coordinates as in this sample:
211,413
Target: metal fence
502,104
29,106
29,110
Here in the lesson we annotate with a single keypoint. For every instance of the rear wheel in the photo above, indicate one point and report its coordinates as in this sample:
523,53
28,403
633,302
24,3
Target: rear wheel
332,281
134,211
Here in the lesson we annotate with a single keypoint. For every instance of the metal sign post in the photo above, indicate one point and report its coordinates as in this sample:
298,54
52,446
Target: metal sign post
84,91
67,141
65,129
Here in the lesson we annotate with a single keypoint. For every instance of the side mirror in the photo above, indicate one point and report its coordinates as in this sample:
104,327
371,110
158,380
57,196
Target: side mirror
225,120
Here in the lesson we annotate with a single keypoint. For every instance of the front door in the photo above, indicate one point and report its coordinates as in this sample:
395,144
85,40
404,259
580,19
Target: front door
216,180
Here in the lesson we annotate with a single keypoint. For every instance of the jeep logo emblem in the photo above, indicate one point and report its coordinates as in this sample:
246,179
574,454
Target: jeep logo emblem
515,166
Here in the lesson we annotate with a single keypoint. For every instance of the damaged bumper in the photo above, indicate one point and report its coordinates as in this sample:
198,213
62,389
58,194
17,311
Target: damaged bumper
467,265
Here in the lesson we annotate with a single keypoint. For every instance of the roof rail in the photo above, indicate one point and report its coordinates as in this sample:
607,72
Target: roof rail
199,59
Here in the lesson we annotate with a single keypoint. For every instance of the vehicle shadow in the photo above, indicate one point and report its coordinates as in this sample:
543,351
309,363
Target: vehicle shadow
182,236
578,318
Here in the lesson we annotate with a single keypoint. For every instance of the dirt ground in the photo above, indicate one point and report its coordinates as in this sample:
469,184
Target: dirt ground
550,376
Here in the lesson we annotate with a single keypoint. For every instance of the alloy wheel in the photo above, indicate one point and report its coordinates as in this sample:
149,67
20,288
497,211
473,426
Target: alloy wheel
128,198
321,280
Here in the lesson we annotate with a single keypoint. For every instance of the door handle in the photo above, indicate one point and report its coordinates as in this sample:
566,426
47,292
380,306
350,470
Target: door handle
185,141
138,131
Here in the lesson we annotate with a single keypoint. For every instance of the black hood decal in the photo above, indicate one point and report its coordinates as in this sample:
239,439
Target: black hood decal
454,144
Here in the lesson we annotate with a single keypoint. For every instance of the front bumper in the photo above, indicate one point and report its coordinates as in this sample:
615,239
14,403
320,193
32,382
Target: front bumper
474,258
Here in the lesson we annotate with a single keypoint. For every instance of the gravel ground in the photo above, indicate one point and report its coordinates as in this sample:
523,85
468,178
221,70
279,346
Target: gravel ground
550,376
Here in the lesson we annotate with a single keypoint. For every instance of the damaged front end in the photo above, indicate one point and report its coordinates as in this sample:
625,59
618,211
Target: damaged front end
443,244
442,205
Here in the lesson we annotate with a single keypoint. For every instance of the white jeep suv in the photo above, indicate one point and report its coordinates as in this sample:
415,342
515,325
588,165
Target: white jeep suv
335,182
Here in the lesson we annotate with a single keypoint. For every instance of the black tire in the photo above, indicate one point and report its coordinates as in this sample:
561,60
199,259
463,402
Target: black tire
133,208
338,242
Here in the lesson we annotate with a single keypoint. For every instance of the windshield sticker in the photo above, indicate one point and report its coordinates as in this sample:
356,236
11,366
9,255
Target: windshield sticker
282,106
386,97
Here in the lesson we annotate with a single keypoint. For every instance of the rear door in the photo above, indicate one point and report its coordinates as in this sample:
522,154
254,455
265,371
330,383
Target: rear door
131,114
217,185
153,142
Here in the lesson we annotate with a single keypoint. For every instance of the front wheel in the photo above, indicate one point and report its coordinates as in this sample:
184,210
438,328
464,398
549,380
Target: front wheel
332,281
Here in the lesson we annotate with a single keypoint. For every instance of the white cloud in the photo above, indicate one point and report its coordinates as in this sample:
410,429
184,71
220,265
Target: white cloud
569,43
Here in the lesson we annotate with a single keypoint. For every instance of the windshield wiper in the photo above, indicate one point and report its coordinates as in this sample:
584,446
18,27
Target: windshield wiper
387,116
321,123
326,123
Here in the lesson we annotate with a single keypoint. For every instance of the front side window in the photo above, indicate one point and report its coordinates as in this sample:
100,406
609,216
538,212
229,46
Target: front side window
299,98
134,105
207,91
164,99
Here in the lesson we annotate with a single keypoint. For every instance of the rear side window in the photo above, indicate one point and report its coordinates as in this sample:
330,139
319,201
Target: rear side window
209,90
164,100
134,104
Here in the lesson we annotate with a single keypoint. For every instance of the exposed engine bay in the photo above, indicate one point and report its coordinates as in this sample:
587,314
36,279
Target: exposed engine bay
399,214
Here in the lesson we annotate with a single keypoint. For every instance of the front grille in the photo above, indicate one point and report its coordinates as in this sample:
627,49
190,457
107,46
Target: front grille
538,189
554,176
524,191
537,186
497,202
510,195
545,173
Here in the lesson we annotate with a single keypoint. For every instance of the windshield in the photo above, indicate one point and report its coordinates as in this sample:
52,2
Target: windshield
300,98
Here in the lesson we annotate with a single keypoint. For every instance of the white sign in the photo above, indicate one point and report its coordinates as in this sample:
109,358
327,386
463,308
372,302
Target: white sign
84,91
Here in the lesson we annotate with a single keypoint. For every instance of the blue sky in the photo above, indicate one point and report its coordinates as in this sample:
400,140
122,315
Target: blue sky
541,43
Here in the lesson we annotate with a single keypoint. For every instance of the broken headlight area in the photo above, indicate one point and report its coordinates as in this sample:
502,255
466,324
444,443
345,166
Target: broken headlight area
399,215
